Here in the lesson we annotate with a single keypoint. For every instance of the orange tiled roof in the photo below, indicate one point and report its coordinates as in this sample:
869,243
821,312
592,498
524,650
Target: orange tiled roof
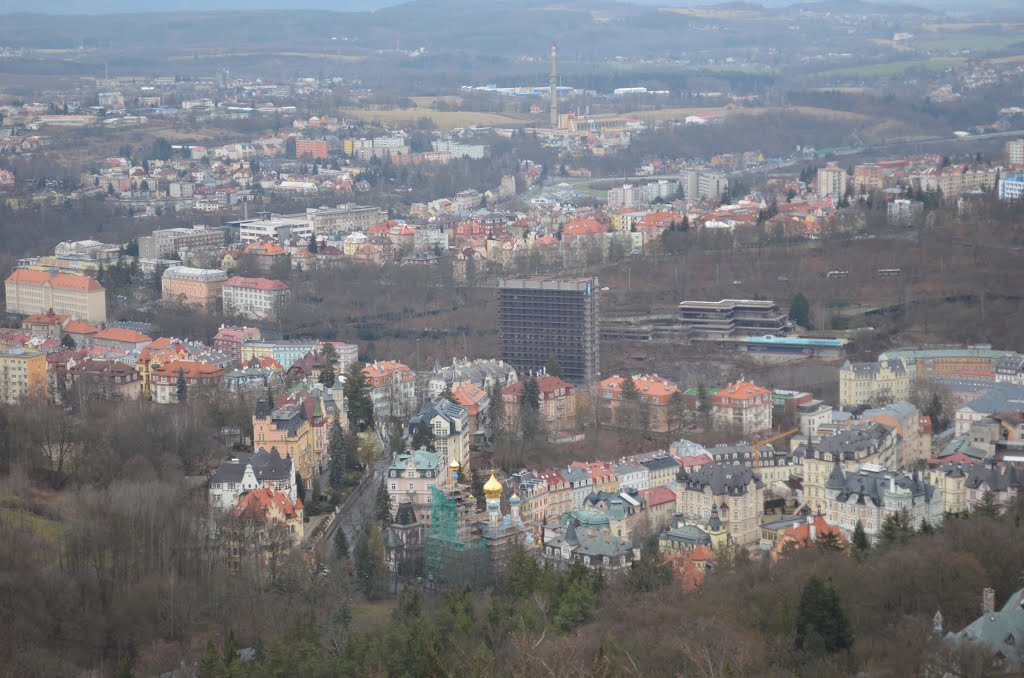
257,504
658,495
742,390
265,284
584,226
191,369
48,318
547,385
647,385
467,393
80,327
122,335
265,248
67,281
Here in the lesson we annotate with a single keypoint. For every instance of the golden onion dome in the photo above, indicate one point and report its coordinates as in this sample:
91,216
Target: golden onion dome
492,488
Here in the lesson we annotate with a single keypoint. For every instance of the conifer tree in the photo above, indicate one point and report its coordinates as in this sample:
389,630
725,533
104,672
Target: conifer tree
360,407
861,544
336,450
821,624
552,367
382,502
340,544
328,367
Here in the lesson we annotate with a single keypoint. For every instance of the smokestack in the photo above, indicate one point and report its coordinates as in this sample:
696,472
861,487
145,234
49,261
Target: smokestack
553,84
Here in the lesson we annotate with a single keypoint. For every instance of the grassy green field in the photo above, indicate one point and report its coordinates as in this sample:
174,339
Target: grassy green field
976,42
895,67
49,529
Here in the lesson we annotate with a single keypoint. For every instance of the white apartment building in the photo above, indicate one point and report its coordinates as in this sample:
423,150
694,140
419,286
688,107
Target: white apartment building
258,298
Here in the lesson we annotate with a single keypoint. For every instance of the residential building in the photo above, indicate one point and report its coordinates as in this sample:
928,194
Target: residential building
533,495
808,533
229,340
543,318
903,212
653,396
22,375
733,490
271,512
248,471
602,475
478,404
831,182
1003,482
632,474
662,467
411,476
449,424
482,373
732,317
872,493
47,324
198,376
199,287
166,243
288,432
712,185
585,536
557,402
811,416
879,382
559,498
686,536
905,420
36,292
311,148
931,363
102,379
1015,152
998,398
392,388
868,177
868,443
1011,187
626,511
258,298
121,339
660,504
742,406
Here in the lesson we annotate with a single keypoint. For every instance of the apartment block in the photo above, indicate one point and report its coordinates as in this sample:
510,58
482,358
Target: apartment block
1015,152
258,298
831,181
539,318
311,148
199,287
22,375
166,242
78,296
883,381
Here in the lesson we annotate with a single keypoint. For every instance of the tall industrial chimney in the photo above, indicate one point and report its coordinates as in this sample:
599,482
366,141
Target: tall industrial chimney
554,86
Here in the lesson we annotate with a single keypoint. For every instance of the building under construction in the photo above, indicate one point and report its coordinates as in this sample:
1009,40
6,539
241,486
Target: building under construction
540,318
465,546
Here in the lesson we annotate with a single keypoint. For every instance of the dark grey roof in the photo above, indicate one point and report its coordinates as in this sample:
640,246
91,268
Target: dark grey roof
863,440
872,369
871,484
660,463
994,478
266,466
732,479
444,408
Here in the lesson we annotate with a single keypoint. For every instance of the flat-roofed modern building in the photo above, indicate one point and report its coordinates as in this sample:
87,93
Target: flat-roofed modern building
538,318
732,317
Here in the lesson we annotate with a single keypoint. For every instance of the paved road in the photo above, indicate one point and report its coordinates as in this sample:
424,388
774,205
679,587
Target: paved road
355,511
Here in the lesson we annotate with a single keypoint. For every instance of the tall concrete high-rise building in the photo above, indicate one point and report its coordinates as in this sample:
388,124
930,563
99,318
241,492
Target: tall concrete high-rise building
538,318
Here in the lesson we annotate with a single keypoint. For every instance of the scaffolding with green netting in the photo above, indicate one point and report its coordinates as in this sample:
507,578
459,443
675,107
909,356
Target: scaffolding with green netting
456,552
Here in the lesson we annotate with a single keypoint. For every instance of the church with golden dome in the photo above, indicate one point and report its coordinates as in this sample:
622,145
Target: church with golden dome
465,545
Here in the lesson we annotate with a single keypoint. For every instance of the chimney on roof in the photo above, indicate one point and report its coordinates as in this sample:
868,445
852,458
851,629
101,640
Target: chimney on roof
812,530
988,600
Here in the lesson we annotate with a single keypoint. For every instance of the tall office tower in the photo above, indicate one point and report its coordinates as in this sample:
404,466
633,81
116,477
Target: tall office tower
538,318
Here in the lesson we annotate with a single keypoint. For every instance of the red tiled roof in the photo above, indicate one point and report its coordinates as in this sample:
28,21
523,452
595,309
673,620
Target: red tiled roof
48,318
658,495
67,281
265,284
80,327
547,385
257,504
122,335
